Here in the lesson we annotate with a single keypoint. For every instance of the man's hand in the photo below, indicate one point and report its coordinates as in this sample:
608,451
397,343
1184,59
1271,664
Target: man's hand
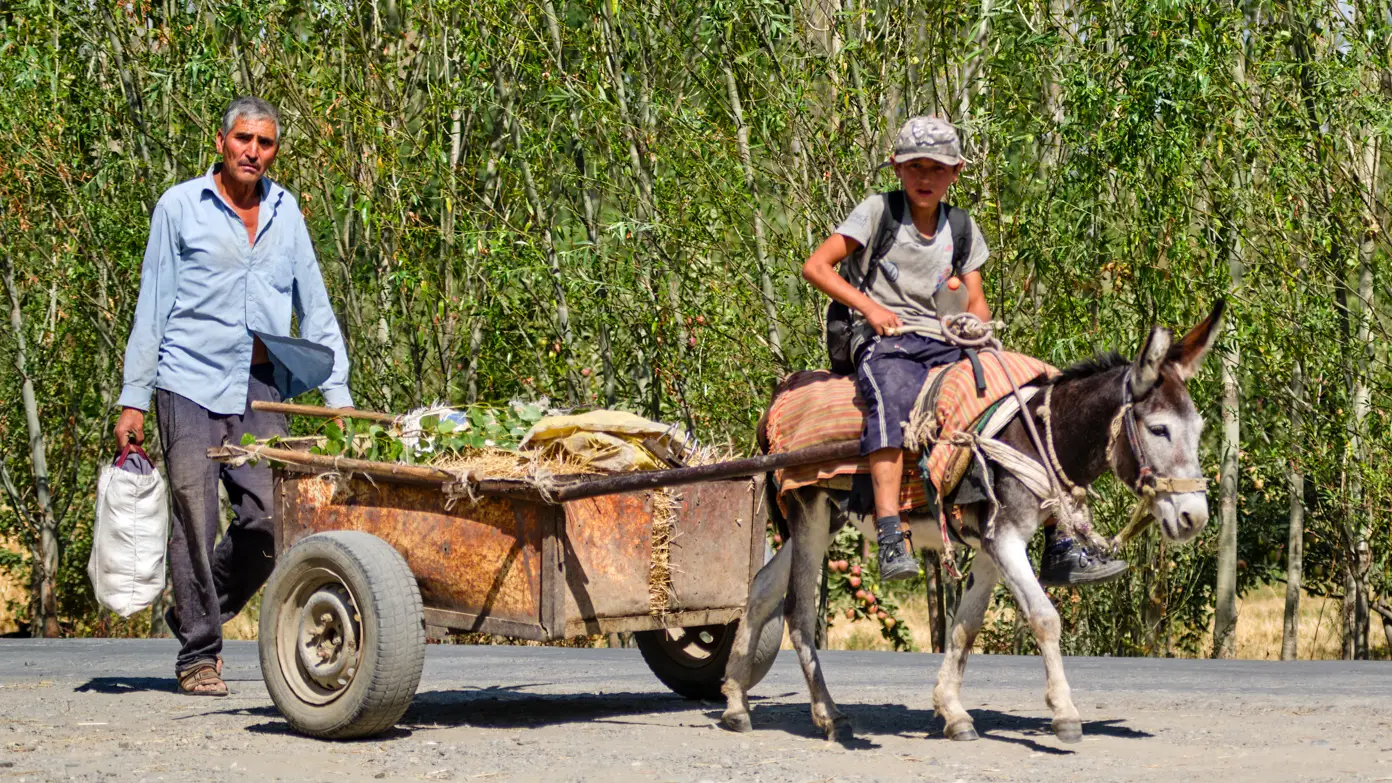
130,427
882,319
339,420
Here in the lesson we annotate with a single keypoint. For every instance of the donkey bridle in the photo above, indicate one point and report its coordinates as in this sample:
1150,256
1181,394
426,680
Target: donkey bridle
1148,484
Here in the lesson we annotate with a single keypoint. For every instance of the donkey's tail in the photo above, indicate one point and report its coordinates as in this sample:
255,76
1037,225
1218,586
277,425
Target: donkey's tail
761,436
780,522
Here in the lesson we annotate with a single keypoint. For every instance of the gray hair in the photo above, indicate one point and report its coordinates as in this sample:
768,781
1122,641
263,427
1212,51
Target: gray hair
252,108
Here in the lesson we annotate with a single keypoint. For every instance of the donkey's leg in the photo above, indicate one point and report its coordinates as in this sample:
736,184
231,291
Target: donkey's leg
765,593
811,530
965,625
1009,551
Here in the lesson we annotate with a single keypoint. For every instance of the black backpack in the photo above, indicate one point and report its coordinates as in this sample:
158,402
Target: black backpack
894,214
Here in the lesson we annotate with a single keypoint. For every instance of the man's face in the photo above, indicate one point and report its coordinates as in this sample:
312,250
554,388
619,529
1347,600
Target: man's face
248,149
926,181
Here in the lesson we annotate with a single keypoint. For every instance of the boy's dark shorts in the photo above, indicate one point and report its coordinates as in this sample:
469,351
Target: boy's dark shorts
890,372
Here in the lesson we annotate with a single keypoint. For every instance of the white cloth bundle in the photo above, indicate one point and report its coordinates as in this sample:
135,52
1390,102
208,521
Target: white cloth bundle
130,534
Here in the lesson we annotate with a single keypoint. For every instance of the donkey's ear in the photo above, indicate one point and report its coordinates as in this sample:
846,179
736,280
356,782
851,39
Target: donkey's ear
1187,355
1146,369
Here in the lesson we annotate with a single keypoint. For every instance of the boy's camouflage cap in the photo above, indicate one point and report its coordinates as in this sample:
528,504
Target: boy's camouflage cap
928,137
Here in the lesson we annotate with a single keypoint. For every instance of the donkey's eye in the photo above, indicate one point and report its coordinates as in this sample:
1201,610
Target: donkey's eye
1160,431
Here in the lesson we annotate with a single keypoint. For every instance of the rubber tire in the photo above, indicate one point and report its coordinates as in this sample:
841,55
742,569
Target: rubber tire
703,682
392,645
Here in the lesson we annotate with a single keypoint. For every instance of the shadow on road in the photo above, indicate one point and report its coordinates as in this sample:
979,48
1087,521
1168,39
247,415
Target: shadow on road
896,719
126,685
504,708
508,707
993,725
281,728
117,685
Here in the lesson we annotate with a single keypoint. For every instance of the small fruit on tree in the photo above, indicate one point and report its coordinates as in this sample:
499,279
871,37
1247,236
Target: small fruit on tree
855,581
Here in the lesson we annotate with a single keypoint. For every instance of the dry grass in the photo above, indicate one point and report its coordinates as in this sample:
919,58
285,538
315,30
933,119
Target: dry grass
505,464
12,591
247,623
664,516
1259,624
1260,618
864,634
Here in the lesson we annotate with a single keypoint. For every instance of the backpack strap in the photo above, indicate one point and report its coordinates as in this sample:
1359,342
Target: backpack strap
896,211
892,216
959,223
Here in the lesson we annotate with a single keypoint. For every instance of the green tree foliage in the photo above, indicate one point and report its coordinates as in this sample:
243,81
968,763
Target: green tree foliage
608,203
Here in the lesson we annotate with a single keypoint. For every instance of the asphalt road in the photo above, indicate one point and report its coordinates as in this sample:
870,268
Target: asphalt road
105,710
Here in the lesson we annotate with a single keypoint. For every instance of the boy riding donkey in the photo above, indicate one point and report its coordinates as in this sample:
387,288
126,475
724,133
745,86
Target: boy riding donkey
918,254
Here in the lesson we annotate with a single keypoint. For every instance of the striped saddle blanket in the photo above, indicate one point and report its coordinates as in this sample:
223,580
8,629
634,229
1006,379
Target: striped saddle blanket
815,407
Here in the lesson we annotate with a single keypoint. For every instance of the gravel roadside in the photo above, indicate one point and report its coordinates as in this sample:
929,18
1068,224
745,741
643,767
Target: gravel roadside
95,710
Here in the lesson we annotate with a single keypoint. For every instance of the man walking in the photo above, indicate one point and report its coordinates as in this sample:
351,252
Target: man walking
228,261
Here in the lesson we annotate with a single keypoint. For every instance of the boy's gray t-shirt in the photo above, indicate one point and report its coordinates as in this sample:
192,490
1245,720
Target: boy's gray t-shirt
924,265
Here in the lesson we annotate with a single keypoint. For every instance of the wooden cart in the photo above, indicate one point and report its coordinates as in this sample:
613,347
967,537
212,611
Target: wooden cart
373,558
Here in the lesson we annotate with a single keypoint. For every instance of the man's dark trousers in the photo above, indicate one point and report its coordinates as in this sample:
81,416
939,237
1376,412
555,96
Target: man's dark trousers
211,585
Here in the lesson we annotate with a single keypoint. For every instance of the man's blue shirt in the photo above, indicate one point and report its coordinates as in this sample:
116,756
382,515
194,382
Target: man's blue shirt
205,292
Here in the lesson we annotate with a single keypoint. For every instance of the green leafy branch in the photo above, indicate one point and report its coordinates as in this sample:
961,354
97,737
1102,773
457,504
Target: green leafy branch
434,437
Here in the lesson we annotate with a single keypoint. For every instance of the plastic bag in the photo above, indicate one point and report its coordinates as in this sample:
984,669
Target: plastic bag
608,440
130,535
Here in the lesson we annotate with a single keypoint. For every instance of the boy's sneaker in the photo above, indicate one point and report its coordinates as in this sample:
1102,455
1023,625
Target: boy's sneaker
896,561
1067,562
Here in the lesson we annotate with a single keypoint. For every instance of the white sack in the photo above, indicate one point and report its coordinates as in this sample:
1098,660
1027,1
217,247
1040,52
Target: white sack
129,537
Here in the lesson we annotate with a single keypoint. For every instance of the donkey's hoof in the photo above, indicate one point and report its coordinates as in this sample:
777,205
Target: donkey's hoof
737,721
1069,731
962,731
839,729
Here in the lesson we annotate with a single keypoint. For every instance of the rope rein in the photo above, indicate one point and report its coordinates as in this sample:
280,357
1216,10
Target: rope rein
1046,412
966,331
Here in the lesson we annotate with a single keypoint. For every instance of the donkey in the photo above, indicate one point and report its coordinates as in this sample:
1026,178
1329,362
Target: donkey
1134,417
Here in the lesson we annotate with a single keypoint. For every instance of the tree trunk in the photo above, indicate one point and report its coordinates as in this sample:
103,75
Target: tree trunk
45,566
131,90
1385,610
548,244
647,209
760,242
1357,522
1295,538
971,76
1225,613
590,210
478,280
1052,141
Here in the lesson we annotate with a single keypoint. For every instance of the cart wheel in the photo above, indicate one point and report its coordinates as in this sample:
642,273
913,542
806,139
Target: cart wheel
691,661
342,635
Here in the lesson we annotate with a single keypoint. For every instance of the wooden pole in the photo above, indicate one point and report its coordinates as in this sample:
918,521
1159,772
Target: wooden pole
343,464
293,409
752,466
391,471
565,487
